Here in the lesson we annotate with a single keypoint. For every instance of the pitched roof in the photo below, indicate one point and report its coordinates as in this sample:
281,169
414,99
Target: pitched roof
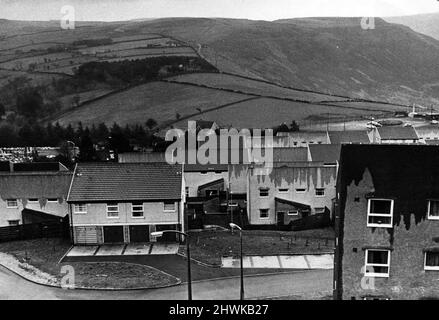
327,153
20,185
340,137
94,182
293,203
397,133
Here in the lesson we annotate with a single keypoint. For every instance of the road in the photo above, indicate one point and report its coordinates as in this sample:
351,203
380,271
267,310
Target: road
302,283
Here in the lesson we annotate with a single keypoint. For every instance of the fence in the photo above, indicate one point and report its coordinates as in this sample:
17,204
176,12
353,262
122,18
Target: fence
52,229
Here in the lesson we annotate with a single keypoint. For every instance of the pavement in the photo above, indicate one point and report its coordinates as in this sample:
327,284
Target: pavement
305,284
303,261
124,249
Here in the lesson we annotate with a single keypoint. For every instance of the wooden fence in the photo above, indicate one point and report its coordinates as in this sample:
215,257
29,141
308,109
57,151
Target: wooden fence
50,229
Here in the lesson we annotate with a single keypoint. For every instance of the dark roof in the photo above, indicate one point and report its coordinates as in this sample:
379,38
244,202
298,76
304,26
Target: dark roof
407,173
211,183
293,203
39,166
432,142
397,133
326,153
290,154
339,137
39,185
94,182
205,167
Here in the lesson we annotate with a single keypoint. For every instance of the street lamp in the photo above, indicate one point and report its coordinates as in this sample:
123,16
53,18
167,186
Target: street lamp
233,226
159,234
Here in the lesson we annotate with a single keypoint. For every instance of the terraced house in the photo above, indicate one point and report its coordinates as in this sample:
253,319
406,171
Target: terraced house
33,192
125,202
387,222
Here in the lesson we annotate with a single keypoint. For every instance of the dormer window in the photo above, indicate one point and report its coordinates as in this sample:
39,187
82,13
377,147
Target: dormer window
380,213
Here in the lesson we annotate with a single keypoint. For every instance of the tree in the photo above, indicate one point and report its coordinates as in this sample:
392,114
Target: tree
29,103
151,123
2,110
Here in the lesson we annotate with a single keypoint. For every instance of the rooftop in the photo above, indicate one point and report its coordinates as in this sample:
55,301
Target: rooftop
94,182
341,137
326,153
397,133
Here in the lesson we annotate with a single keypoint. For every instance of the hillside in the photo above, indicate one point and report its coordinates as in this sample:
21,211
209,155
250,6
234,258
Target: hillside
427,24
333,55
294,69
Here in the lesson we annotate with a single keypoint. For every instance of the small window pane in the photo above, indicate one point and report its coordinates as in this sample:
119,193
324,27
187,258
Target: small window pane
169,206
263,213
434,209
263,192
112,210
12,203
320,192
137,209
432,259
377,257
380,206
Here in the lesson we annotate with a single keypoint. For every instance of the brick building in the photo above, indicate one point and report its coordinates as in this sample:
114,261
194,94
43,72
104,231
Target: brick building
387,222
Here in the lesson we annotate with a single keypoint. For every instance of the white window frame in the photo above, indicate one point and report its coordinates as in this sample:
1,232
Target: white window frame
370,214
203,173
429,268
137,211
164,207
16,222
52,200
367,264
76,205
300,190
322,195
268,214
264,189
8,201
32,200
110,204
429,217
284,190
293,213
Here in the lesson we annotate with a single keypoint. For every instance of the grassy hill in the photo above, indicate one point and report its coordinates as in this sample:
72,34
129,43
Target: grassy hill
270,72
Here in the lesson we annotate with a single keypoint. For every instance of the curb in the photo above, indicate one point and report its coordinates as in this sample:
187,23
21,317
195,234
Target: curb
216,266
57,286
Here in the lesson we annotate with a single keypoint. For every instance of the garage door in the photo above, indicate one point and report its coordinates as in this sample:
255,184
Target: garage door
139,233
85,235
113,234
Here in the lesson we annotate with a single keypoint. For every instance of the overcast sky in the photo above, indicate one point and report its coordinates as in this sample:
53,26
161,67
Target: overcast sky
110,10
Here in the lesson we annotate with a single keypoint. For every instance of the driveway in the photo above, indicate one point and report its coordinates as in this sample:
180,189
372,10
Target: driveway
124,249
308,284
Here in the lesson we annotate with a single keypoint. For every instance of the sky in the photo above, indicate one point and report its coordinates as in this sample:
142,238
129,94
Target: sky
116,10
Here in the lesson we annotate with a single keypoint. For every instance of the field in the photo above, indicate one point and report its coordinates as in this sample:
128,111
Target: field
230,82
158,100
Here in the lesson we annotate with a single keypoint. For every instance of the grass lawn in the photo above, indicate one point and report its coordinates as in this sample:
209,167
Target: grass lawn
210,246
45,255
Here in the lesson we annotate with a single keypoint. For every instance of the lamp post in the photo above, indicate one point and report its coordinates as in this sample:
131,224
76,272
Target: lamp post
233,226
160,234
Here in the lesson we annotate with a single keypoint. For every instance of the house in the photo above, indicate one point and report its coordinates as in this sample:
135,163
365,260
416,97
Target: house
291,191
33,192
198,176
387,222
393,134
328,154
345,137
428,134
125,202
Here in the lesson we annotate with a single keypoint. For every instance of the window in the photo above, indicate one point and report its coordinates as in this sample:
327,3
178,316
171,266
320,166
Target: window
14,222
284,190
320,192
433,209
319,210
187,192
377,263
203,172
112,210
12,203
33,200
263,192
380,213
137,209
293,213
263,214
80,208
301,190
218,172
431,261
53,200
169,206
